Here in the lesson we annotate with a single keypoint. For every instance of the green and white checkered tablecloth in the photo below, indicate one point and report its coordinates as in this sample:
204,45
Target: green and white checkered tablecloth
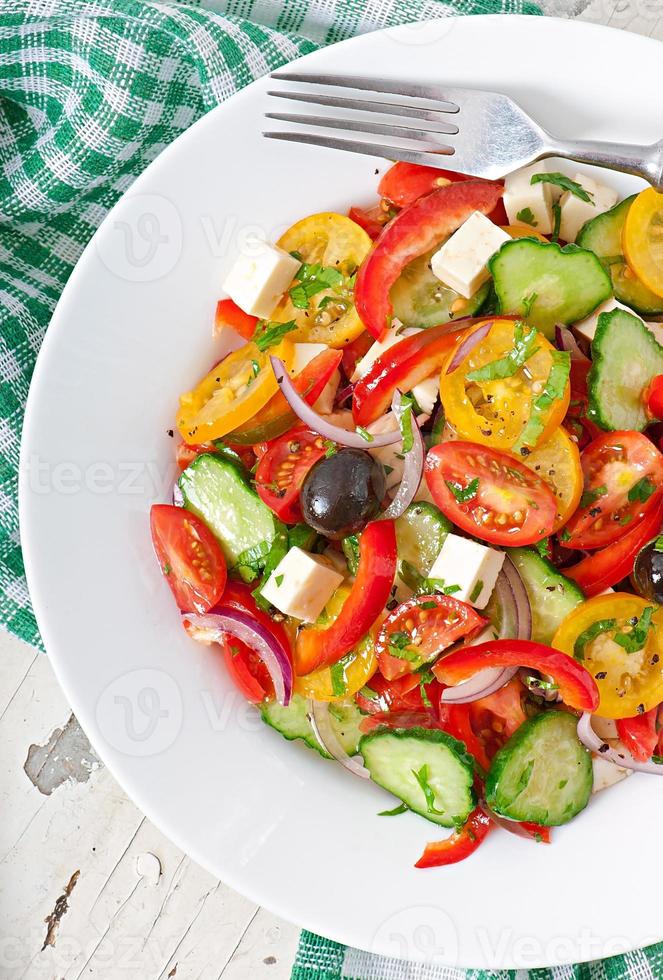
90,93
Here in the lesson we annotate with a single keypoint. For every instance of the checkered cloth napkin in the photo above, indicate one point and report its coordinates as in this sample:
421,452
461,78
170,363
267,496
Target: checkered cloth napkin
90,93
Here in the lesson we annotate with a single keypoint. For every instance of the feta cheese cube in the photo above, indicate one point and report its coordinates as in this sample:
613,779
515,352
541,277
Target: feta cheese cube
524,200
587,327
574,212
301,585
304,354
461,262
606,773
472,566
256,282
425,392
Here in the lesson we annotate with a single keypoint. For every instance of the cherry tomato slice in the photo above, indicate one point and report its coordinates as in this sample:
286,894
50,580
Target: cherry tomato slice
190,557
228,314
622,474
640,735
642,239
372,220
281,471
557,462
405,182
409,693
417,630
490,494
247,670
654,397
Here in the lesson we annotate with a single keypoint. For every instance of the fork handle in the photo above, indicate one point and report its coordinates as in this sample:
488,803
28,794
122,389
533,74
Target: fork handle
642,161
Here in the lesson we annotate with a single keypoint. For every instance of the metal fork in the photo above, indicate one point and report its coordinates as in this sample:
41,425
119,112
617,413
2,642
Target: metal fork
482,133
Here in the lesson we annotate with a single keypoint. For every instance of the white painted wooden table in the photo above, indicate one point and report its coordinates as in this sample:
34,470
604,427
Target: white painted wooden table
88,887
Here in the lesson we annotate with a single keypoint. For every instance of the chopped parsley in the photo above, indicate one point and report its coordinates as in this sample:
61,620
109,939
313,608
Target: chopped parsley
527,217
590,497
429,604
166,569
524,346
528,303
421,776
399,646
463,494
330,448
312,278
403,808
641,491
590,634
658,544
364,433
561,180
267,333
279,581
557,220
255,371
553,391
543,547
476,591
636,639
405,422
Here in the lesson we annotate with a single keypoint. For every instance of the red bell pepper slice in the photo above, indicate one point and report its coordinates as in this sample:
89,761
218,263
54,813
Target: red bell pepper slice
576,685
228,314
605,568
460,844
415,230
404,365
370,593
640,734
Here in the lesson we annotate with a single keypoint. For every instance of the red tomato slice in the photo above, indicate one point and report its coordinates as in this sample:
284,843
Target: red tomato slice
228,314
623,472
415,230
417,630
400,695
405,182
640,735
490,493
354,351
372,220
281,471
190,557
654,397
247,670
185,454
486,724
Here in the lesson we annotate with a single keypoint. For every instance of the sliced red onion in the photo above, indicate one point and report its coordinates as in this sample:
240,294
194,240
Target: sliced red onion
413,468
620,757
226,619
509,576
178,497
318,712
468,345
480,686
565,340
319,423
343,394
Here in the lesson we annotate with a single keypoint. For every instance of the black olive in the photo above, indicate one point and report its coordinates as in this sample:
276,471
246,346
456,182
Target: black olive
647,575
341,493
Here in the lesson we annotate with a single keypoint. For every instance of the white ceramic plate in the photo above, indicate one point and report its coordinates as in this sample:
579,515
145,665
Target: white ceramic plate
132,331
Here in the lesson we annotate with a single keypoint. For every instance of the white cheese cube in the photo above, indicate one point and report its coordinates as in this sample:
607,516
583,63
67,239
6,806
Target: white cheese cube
461,262
304,354
301,585
606,773
521,197
587,327
472,566
256,282
574,212
425,392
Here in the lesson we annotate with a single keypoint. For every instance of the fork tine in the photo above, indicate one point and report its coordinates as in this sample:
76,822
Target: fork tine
439,158
360,126
366,105
452,97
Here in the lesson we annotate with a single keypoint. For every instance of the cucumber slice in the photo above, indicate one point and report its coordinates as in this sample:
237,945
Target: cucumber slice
420,534
603,236
625,357
419,298
543,774
552,596
547,284
403,760
293,722
216,489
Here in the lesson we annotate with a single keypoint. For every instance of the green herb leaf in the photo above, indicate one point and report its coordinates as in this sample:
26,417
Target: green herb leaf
658,544
553,391
557,220
267,333
464,494
590,634
528,303
330,448
543,547
561,180
312,278
279,581
527,217
405,422
429,793
590,497
476,591
364,433
637,637
505,367
641,491
403,808
350,546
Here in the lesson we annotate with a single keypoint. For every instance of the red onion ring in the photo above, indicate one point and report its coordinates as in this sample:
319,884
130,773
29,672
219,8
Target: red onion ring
620,757
509,576
226,619
413,469
565,340
178,496
318,712
318,423
468,345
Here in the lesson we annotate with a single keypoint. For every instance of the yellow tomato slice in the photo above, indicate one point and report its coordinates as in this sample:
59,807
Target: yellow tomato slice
642,239
629,682
231,393
332,240
496,412
557,461
351,673
524,231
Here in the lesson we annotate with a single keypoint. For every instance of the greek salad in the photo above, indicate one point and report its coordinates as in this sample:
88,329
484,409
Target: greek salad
420,508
